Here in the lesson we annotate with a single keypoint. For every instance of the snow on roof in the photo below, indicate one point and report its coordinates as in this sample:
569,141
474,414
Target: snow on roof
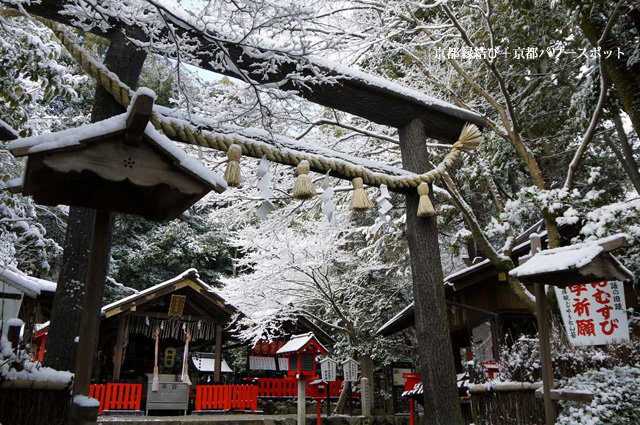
69,137
187,161
208,364
563,258
405,311
297,342
189,273
30,285
73,137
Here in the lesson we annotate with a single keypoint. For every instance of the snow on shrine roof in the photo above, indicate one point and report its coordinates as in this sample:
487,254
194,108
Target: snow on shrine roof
565,258
187,274
30,285
404,313
76,138
297,342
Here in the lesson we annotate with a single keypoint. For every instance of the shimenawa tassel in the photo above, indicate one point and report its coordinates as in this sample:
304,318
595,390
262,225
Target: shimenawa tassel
425,207
303,188
360,200
232,173
470,138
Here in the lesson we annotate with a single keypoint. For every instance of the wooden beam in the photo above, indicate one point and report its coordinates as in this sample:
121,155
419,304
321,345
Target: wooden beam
98,261
381,103
218,353
157,315
138,118
567,395
544,337
117,363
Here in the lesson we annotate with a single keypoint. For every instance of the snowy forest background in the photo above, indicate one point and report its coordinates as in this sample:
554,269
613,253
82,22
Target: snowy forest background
350,274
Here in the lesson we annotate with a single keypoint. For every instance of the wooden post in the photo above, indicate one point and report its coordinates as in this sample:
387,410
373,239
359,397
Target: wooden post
545,353
319,409
328,399
442,403
98,259
302,401
218,360
117,363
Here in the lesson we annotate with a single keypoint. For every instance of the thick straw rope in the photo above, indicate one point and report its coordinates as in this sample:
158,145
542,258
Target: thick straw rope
186,133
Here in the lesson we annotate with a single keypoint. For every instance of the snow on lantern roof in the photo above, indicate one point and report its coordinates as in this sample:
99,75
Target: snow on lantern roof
580,263
299,342
121,164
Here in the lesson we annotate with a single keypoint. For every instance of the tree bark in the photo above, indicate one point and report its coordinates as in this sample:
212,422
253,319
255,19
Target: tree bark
441,401
126,61
366,369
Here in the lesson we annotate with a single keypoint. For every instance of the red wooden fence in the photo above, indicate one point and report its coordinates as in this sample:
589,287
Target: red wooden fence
117,396
97,392
226,397
287,387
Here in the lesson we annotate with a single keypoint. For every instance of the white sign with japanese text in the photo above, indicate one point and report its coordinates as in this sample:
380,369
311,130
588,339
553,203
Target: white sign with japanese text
594,313
350,370
328,368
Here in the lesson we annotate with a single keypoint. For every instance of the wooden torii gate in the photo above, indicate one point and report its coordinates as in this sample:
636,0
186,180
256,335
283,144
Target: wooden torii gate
417,118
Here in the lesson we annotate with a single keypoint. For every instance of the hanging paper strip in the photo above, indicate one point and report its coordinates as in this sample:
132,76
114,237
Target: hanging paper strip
328,207
383,203
264,184
172,328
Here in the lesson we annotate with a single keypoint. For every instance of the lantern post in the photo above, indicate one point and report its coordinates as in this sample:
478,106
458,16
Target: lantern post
301,350
117,165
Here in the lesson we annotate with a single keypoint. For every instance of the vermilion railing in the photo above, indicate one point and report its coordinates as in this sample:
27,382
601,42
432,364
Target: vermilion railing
117,396
287,387
226,397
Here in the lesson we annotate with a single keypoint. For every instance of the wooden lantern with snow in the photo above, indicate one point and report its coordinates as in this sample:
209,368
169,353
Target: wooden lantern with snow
120,164
302,351
587,262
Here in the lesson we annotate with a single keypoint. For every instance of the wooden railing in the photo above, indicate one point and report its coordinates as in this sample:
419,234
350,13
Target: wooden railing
117,396
287,387
226,397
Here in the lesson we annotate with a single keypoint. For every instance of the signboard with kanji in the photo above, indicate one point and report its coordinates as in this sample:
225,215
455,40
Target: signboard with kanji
350,370
594,313
328,370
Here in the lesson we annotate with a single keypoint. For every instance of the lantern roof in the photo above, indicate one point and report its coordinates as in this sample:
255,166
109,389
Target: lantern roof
120,164
587,262
299,343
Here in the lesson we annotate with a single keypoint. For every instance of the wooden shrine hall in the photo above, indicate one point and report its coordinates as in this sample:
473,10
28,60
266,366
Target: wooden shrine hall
180,306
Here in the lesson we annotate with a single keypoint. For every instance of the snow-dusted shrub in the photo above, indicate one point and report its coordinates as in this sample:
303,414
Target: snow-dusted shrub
616,398
16,364
521,361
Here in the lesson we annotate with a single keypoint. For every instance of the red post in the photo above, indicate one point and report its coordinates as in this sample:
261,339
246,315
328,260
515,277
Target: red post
411,407
319,404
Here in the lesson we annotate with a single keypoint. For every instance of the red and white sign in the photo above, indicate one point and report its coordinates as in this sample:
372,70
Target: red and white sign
594,313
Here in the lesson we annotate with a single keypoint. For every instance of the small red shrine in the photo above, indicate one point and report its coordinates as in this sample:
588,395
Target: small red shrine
301,351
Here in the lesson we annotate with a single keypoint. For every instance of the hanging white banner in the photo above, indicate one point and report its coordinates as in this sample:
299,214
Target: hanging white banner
595,313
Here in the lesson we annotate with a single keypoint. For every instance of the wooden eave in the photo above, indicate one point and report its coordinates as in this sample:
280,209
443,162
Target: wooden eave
139,302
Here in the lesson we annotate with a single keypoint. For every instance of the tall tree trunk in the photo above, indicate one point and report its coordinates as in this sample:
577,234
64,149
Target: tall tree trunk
441,401
126,61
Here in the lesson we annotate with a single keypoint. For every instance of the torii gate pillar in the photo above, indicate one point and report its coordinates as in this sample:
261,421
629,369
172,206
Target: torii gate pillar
441,400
